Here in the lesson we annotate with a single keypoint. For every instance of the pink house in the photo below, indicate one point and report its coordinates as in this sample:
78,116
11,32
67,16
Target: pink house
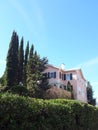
59,77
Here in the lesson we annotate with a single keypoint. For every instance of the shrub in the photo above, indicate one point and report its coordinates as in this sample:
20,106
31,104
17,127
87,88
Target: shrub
19,89
54,93
23,113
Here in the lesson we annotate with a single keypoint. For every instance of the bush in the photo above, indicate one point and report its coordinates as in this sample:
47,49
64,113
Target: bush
54,93
19,89
23,113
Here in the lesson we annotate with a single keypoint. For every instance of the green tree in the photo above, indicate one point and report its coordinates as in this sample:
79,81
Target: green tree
25,64
12,61
33,72
43,86
36,66
70,89
21,62
69,86
3,79
31,52
26,54
90,92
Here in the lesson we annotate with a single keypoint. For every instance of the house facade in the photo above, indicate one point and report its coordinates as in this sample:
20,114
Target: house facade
60,77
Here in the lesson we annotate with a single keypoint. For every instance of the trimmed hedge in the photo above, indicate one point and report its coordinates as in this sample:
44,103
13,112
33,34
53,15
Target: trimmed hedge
23,113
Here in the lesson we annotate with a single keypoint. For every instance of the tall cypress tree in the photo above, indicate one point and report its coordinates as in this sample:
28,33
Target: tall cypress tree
26,54
12,61
90,98
31,51
21,61
25,63
89,92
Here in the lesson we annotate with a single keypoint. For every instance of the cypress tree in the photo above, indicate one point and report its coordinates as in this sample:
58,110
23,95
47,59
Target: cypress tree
90,98
89,92
12,61
25,63
26,54
69,86
21,61
31,51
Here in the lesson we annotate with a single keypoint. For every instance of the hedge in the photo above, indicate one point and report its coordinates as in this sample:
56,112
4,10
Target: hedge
24,113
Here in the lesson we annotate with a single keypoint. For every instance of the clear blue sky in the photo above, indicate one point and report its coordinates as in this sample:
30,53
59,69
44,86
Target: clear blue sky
65,31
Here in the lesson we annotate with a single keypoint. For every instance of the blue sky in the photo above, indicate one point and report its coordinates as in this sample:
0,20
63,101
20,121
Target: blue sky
65,31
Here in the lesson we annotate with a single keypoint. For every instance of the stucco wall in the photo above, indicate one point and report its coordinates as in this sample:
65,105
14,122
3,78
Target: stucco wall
78,82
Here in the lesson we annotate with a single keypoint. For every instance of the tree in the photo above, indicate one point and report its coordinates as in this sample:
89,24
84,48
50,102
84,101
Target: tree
26,54
25,64
89,92
36,66
69,86
43,86
31,52
3,79
27,68
21,61
12,61
70,89
90,98
33,73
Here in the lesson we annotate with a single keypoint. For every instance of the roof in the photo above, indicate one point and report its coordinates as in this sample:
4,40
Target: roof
69,70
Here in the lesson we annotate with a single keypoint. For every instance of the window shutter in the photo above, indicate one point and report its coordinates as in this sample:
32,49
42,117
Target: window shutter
60,75
54,74
48,74
70,76
64,76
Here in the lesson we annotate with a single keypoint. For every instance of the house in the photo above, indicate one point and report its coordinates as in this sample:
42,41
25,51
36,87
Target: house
60,77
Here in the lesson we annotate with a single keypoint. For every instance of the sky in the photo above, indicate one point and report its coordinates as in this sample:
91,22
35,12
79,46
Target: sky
64,31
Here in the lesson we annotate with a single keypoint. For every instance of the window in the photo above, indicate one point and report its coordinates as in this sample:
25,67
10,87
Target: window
68,76
79,90
64,76
54,74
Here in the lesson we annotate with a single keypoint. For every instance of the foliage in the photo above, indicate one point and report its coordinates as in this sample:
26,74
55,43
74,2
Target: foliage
31,52
69,86
20,90
2,81
24,113
20,61
43,86
70,89
25,68
54,93
90,98
25,63
35,78
12,61
33,73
